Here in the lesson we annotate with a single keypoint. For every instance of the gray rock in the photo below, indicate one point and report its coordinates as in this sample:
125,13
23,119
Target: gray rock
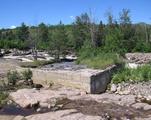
38,110
19,118
139,105
43,105
113,88
143,106
63,115
31,97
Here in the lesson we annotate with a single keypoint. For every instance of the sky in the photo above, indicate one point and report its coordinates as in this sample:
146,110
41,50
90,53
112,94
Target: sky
33,12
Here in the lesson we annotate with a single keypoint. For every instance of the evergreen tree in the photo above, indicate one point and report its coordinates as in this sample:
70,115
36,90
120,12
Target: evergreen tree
81,31
59,40
23,32
127,29
43,32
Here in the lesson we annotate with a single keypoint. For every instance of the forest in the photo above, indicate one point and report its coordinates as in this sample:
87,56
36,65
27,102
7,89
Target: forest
85,36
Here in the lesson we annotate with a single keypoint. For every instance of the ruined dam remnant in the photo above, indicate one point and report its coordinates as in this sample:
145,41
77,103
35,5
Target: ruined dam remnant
90,80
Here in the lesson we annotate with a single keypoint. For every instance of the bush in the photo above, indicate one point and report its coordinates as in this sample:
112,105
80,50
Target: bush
141,74
13,77
27,74
99,60
3,97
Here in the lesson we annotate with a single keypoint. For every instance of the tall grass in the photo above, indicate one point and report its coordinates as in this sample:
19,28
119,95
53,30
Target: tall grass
99,60
141,74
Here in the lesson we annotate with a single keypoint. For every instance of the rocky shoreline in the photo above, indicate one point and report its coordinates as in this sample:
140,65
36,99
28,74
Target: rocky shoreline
62,103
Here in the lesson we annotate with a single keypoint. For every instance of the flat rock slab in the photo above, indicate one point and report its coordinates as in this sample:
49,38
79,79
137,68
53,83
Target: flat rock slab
63,115
81,106
30,97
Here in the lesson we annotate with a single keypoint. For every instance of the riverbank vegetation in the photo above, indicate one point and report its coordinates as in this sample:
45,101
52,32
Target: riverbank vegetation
99,60
3,99
15,76
140,74
118,35
87,38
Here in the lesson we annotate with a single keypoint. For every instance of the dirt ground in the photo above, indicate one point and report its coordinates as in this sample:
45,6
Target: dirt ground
106,110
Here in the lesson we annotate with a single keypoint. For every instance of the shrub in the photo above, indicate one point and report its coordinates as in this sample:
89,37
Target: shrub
141,74
3,97
27,74
13,77
99,60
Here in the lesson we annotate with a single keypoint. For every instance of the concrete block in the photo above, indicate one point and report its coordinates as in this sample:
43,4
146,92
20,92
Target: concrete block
90,80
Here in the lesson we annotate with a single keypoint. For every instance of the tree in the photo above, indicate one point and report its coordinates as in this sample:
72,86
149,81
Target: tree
125,17
113,42
43,35
81,31
94,29
23,32
127,29
110,18
58,42
100,34
33,41
10,35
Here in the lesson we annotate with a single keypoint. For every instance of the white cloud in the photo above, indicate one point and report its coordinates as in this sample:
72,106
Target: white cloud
12,27
72,17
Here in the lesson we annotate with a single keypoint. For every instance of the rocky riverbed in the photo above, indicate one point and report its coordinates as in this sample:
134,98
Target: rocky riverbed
62,103
125,101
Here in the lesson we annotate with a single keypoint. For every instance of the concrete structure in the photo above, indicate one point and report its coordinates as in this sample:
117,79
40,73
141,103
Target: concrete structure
89,80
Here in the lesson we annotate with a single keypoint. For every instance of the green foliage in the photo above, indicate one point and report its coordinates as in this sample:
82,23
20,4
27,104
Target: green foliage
59,40
101,61
81,30
13,77
114,41
27,74
23,32
3,98
141,74
97,59
117,36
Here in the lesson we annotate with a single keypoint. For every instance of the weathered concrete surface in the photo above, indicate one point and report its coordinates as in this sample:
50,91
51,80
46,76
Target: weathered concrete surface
89,80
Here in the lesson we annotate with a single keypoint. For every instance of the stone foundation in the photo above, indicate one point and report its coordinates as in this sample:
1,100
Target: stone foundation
89,80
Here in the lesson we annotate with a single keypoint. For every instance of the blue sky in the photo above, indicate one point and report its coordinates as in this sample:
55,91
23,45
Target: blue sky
32,12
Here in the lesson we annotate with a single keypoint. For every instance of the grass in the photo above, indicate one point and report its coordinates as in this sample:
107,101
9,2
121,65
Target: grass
35,64
100,61
141,74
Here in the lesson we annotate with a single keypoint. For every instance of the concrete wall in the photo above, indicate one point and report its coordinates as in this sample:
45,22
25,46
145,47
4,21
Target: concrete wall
66,78
91,81
100,81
